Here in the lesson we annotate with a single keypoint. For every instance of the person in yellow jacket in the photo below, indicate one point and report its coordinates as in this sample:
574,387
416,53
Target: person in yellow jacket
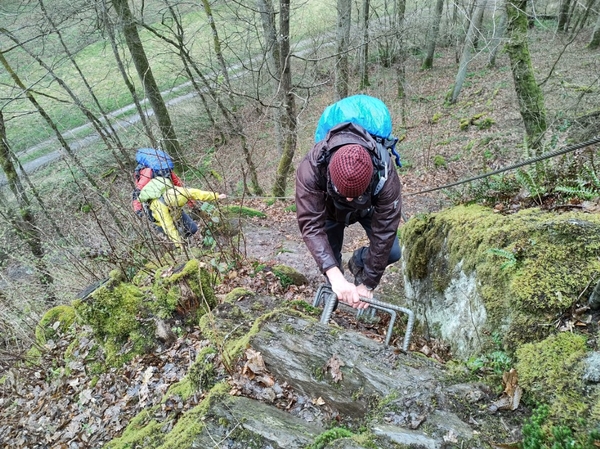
165,202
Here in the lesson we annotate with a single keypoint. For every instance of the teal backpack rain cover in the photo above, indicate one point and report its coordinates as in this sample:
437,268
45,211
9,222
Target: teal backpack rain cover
369,112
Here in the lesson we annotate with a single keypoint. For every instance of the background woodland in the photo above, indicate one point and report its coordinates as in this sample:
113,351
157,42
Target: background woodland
233,91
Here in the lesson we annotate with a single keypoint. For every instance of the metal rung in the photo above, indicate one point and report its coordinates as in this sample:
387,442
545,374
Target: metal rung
328,298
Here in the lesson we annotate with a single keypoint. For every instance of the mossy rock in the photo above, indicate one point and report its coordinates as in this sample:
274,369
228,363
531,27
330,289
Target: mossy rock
551,372
47,328
202,374
552,257
237,293
289,276
120,319
186,290
144,431
243,211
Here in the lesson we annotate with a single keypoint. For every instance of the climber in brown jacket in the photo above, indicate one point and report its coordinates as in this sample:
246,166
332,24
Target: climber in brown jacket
346,178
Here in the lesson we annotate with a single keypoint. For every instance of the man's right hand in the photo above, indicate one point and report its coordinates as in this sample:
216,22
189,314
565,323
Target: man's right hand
345,291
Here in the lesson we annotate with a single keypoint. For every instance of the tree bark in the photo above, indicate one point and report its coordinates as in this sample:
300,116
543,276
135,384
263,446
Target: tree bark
433,35
142,66
400,64
238,127
364,60
499,31
109,27
563,15
288,118
595,40
273,53
342,70
24,224
529,94
468,49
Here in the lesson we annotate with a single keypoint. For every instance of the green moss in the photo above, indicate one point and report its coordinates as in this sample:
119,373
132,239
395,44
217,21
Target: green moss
244,211
191,423
202,373
555,255
112,312
439,161
45,330
184,389
289,276
237,293
551,371
116,314
305,307
330,435
186,289
142,431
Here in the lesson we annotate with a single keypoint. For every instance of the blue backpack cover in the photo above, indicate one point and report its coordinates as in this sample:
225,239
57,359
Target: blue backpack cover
157,160
369,112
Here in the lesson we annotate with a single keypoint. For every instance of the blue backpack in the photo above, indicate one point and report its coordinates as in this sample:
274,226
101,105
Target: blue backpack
159,161
369,112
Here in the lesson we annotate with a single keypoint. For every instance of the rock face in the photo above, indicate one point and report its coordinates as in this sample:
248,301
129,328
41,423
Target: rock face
483,281
333,374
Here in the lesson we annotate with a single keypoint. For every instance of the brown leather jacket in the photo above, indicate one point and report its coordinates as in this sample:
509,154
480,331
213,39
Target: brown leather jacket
316,201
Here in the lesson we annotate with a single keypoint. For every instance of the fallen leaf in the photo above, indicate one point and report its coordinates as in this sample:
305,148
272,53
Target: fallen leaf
255,363
318,401
511,397
334,365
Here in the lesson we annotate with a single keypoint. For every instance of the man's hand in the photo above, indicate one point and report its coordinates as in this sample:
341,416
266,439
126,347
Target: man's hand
346,291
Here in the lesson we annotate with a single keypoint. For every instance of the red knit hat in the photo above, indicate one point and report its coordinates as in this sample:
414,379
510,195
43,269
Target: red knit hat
351,170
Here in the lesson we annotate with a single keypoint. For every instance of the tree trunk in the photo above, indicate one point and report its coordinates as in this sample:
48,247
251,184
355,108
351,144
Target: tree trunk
24,223
273,53
400,64
468,49
433,35
238,127
189,66
342,70
364,60
529,94
499,31
142,66
288,118
595,40
563,15
583,18
109,27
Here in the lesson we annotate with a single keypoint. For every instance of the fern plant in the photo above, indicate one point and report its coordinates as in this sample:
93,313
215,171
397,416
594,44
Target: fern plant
511,259
586,189
529,182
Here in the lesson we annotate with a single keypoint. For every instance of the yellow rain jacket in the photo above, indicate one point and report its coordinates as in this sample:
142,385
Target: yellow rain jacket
166,201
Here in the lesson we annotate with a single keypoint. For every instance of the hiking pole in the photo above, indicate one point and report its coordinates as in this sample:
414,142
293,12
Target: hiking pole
326,296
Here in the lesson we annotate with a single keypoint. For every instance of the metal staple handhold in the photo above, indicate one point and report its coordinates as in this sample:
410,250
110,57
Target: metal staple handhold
326,296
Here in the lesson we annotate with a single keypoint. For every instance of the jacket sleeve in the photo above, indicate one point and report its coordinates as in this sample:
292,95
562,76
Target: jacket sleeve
311,214
386,219
177,182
